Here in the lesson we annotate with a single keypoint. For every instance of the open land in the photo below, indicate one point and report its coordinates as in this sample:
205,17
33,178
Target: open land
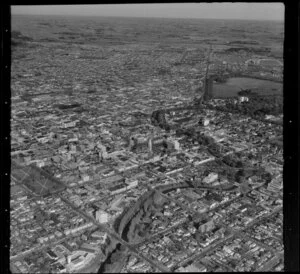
122,160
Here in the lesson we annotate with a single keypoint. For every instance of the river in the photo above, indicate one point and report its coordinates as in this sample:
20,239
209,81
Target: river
233,85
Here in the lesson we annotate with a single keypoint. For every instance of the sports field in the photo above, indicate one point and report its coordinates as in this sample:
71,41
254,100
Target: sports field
35,179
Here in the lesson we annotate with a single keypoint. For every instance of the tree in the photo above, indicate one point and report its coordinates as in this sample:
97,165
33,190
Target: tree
239,164
244,187
240,174
267,177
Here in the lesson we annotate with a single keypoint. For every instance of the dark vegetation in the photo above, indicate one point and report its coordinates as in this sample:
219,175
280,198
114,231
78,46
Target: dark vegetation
240,169
62,107
45,24
199,138
48,40
67,33
243,42
133,223
257,106
233,167
220,78
139,226
120,218
115,259
158,118
262,50
164,71
247,92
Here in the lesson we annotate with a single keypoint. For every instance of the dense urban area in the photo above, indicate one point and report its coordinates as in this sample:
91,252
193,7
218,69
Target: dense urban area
145,145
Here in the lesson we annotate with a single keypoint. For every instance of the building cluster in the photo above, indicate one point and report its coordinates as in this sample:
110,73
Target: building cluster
68,255
269,232
103,174
85,150
202,200
239,254
48,222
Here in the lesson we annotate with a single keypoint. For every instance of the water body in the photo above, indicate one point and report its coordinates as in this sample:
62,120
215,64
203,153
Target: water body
235,84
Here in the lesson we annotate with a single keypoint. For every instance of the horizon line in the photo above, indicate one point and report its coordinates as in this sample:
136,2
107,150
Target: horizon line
147,17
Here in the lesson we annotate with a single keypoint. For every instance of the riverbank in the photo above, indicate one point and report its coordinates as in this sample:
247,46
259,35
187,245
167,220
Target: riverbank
114,261
93,266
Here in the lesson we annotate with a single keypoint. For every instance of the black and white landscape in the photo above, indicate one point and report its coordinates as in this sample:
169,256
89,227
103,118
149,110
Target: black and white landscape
146,144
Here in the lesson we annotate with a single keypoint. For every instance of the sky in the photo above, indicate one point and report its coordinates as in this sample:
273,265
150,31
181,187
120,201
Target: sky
238,10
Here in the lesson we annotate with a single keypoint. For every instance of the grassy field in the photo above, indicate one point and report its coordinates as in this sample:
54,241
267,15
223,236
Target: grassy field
34,180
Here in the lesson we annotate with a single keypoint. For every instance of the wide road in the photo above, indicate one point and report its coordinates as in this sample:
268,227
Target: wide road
40,248
265,246
204,251
232,234
102,227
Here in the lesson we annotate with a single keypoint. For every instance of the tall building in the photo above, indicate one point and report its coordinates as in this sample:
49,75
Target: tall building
102,152
176,145
204,121
207,226
101,216
150,145
131,143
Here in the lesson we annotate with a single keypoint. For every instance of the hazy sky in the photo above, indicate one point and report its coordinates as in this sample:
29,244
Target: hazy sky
248,11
